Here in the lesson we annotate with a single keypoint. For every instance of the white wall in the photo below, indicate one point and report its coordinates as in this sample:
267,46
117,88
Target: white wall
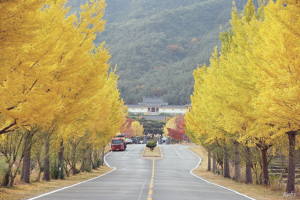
172,111
137,110
161,110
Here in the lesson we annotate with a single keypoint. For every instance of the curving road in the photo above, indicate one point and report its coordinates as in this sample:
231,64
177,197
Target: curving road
136,178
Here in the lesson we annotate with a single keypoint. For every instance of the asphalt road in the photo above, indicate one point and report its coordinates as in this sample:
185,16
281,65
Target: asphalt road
136,178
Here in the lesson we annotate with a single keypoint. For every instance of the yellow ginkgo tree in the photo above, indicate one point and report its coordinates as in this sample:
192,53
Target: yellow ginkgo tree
137,128
52,72
278,74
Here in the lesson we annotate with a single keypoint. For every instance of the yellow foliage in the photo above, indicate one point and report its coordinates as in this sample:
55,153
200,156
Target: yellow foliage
137,128
52,71
170,124
249,92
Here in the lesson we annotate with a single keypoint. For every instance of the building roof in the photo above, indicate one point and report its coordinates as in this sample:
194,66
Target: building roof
161,107
156,102
153,104
174,106
134,106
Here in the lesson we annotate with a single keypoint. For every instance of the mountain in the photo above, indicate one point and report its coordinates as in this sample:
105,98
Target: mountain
157,44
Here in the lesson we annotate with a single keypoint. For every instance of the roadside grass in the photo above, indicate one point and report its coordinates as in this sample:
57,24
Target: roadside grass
255,191
22,190
186,143
3,168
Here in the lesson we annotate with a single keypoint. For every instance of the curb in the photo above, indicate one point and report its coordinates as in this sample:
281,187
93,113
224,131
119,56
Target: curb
76,183
152,157
191,172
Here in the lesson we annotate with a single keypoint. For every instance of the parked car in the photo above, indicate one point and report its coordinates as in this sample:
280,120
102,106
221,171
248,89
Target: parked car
128,141
135,140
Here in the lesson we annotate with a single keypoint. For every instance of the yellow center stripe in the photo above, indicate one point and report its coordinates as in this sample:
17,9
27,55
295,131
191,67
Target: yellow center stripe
151,183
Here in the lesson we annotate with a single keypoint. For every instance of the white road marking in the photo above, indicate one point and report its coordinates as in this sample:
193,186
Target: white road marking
178,153
105,160
191,172
142,190
76,183
127,152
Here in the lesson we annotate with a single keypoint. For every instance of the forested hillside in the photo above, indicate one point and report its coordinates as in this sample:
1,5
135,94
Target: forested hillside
157,44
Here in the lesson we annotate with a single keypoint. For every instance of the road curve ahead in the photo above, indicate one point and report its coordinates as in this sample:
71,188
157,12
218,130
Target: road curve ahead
136,178
173,179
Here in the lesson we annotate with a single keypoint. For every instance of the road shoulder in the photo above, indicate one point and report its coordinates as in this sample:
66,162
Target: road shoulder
25,191
255,191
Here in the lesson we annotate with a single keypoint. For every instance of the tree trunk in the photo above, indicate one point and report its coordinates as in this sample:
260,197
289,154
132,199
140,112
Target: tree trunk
26,167
73,160
214,163
248,166
265,173
7,175
66,170
89,159
236,161
26,160
290,185
226,162
209,161
256,176
280,179
14,174
95,160
61,160
83,162
46,175
38,178
102,156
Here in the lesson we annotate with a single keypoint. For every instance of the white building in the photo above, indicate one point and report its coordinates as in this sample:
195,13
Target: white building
156,106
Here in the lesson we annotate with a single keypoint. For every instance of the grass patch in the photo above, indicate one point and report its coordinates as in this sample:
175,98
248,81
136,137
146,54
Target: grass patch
156,153
258,192
22,191
3,168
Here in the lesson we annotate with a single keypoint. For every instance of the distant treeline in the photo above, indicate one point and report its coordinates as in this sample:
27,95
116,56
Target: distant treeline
157,44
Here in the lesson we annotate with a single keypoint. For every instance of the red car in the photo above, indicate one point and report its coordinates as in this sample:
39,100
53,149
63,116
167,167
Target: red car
118,144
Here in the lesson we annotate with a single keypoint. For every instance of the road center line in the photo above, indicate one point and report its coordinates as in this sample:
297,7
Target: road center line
151,183
178,153
127,152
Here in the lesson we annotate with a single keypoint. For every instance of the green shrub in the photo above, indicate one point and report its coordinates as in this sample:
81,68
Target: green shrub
151,144
77,171
54,172
42,168
3,169
173,141
87,169
97,163
95,166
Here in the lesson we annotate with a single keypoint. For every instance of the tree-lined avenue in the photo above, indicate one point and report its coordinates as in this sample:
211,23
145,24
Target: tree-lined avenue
132,175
